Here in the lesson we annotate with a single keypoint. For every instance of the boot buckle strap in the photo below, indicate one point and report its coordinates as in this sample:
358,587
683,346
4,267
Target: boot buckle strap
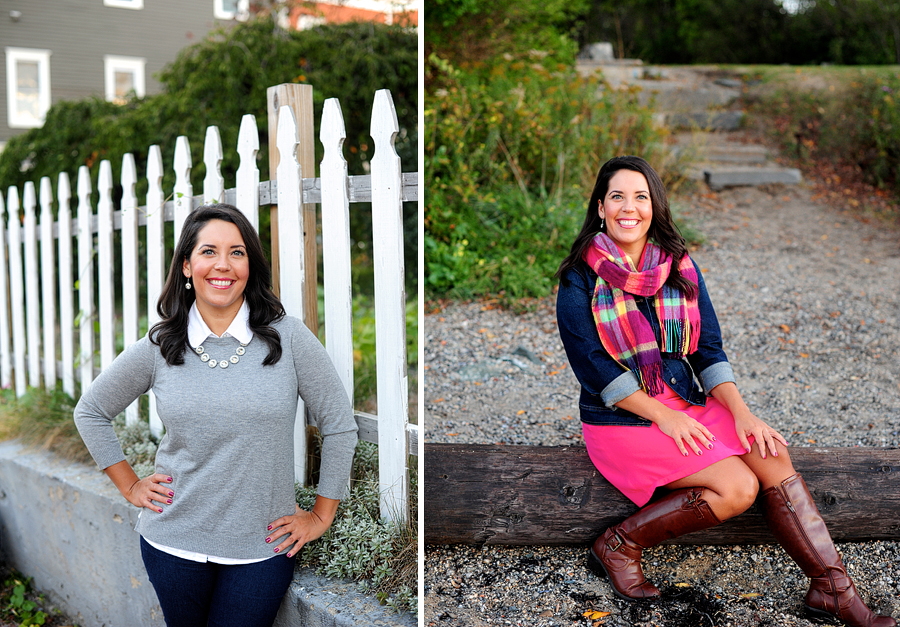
619,543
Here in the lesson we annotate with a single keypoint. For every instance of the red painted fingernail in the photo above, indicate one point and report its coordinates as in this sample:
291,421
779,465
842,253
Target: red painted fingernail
276,550
169,501
709,447
160,510
288,554
171,494
170,479
269,528
268,540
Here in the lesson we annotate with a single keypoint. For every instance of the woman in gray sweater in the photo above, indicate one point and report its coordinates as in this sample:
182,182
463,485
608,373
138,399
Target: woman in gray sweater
219,526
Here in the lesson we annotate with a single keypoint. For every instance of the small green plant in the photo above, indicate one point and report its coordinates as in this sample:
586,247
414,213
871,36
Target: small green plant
362,545
19,607
138,444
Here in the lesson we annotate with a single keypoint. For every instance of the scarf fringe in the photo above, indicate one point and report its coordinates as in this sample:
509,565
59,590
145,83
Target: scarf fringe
650,378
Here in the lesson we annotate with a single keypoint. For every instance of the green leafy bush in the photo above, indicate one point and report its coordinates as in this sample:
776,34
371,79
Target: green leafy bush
510,162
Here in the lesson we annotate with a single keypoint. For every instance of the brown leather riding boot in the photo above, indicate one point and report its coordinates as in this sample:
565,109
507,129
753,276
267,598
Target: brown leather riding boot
797,525
617,553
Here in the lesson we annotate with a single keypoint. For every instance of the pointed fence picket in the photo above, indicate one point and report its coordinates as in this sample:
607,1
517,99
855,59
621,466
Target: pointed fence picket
28,291
48,283
66,295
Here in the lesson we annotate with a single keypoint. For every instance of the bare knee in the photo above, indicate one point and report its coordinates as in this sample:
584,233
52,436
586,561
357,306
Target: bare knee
738,494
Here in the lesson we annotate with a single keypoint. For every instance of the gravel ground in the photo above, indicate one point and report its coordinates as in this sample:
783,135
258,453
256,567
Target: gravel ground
808,300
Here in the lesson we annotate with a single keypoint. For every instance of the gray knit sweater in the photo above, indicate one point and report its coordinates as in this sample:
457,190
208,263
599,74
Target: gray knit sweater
229,441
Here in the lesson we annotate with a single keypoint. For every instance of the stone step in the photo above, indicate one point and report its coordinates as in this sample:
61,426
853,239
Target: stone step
719,178
737,153
706,120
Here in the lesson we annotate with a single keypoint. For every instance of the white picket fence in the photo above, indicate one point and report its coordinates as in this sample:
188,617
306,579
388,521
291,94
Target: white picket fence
32,308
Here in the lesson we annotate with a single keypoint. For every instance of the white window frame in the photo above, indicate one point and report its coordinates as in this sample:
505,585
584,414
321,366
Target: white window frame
241,15
125,4
13,55
135,65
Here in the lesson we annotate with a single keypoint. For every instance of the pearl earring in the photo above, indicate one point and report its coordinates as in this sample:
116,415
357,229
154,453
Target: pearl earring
602,223
187,285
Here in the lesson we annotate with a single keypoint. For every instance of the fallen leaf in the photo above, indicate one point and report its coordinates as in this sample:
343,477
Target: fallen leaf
824,237
594,614
482,330
440,319
552,372
452,434
785,328
520,412
438,400
682,585
811,441
804,355
750,595
568,418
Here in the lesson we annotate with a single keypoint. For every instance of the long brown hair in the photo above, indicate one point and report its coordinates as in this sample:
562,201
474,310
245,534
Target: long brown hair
174,304
662,229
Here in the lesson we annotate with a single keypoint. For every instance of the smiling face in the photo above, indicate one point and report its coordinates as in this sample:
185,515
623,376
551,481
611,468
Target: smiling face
219,269
628,211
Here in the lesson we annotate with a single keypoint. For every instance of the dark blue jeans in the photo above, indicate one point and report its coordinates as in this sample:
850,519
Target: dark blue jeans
198,594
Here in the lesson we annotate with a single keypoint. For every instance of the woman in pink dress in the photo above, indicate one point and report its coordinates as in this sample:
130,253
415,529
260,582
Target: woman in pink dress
640,333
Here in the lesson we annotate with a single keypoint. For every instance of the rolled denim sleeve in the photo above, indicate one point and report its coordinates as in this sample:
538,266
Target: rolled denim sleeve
596,371
710,360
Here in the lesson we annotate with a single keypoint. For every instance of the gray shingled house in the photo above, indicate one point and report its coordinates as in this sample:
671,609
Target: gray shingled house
69,49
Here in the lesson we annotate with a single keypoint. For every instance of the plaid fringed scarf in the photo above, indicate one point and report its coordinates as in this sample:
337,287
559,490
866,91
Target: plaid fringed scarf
624,331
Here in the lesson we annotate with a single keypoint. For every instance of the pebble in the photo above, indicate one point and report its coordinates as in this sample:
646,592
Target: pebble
808,298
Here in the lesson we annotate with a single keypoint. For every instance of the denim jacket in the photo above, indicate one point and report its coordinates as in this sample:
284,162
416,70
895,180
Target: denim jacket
603,381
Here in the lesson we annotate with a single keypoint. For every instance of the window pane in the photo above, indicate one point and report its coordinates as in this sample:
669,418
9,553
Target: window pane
231,6
124,84
28,90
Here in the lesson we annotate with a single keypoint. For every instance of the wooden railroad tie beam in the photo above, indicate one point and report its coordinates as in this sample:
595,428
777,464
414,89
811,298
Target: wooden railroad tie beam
537,495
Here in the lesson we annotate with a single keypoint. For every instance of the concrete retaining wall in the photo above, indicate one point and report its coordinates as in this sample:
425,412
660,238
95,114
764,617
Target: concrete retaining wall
67,526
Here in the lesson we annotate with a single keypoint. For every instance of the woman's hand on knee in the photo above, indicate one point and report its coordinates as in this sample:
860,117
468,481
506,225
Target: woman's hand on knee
687,432
747,424
150,492
300,527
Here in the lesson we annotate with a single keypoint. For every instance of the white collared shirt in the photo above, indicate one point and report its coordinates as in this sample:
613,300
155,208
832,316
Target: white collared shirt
239,328
198,331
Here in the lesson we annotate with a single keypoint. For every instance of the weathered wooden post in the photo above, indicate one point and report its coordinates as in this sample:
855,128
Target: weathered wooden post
299,99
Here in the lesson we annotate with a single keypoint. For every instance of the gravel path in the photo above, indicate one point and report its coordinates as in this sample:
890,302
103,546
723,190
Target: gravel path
808,297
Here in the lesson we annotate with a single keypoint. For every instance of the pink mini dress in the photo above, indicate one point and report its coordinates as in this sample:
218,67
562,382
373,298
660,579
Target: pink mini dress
637,460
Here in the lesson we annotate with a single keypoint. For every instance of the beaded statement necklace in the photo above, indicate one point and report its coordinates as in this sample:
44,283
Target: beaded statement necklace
212,363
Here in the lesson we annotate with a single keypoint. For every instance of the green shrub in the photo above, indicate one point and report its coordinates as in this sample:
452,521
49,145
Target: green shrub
858,125
510,162
362,545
